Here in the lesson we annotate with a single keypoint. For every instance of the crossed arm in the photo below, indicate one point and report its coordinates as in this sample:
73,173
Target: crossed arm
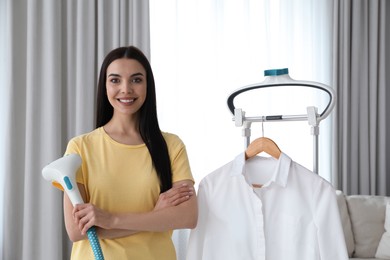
175,209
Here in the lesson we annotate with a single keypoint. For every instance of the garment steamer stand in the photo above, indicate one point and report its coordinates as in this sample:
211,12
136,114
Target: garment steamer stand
278,78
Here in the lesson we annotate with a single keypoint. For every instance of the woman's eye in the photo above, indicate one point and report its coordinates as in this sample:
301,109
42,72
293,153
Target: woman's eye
114,80
136,80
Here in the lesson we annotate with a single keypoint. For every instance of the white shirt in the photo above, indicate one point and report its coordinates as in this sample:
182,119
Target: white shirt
294,215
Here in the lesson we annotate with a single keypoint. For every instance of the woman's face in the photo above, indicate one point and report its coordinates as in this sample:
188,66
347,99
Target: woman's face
126,86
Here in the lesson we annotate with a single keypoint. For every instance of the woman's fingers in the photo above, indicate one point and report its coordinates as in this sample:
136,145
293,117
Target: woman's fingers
179,191
85,216
174,196
80,210
178,194
180,197
85,223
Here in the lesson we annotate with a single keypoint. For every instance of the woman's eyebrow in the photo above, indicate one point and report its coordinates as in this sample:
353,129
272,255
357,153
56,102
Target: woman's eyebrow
113,75
137,74
118,75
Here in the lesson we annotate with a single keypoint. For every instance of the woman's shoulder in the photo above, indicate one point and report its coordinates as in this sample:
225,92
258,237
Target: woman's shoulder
172,140
80,142
87,137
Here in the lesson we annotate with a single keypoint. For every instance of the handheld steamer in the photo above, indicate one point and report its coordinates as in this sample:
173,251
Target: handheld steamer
63,171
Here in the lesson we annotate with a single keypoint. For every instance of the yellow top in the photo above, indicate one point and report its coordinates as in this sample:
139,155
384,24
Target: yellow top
121,178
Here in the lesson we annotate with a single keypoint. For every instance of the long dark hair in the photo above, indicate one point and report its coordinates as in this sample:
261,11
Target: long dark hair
148,123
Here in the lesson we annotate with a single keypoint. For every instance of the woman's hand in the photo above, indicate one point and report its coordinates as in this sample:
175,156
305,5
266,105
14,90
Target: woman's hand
174,196
88,215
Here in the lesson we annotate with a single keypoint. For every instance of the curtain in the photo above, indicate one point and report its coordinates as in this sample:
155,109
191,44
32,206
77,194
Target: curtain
361,77
54,50
3,94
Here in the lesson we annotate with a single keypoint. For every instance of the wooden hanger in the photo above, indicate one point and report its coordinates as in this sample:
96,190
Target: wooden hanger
262,144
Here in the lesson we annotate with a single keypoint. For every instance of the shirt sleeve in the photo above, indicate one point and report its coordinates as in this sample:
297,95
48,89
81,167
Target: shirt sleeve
330,233
195,247
181,169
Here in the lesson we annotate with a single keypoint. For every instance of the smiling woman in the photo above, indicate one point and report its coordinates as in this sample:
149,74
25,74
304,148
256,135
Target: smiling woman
136,179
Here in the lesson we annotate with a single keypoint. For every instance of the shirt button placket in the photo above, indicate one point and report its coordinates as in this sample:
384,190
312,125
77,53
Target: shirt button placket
259,229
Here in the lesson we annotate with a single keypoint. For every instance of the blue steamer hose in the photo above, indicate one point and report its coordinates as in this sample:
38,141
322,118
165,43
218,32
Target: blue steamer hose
95,245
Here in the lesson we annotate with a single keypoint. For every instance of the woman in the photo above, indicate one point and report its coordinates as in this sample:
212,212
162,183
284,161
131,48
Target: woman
136,179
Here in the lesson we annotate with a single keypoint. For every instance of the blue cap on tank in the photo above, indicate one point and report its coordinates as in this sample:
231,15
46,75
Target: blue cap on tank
276,72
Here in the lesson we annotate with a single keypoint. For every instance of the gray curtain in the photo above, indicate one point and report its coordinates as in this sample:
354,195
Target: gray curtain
361,72
54,50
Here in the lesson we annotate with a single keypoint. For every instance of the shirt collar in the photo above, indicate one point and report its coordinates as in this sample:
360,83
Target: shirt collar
280,175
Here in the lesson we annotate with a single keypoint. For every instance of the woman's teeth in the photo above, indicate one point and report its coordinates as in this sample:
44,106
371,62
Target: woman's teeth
126,100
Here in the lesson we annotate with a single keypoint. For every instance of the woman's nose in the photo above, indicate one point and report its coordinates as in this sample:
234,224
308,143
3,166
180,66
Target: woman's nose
126,88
